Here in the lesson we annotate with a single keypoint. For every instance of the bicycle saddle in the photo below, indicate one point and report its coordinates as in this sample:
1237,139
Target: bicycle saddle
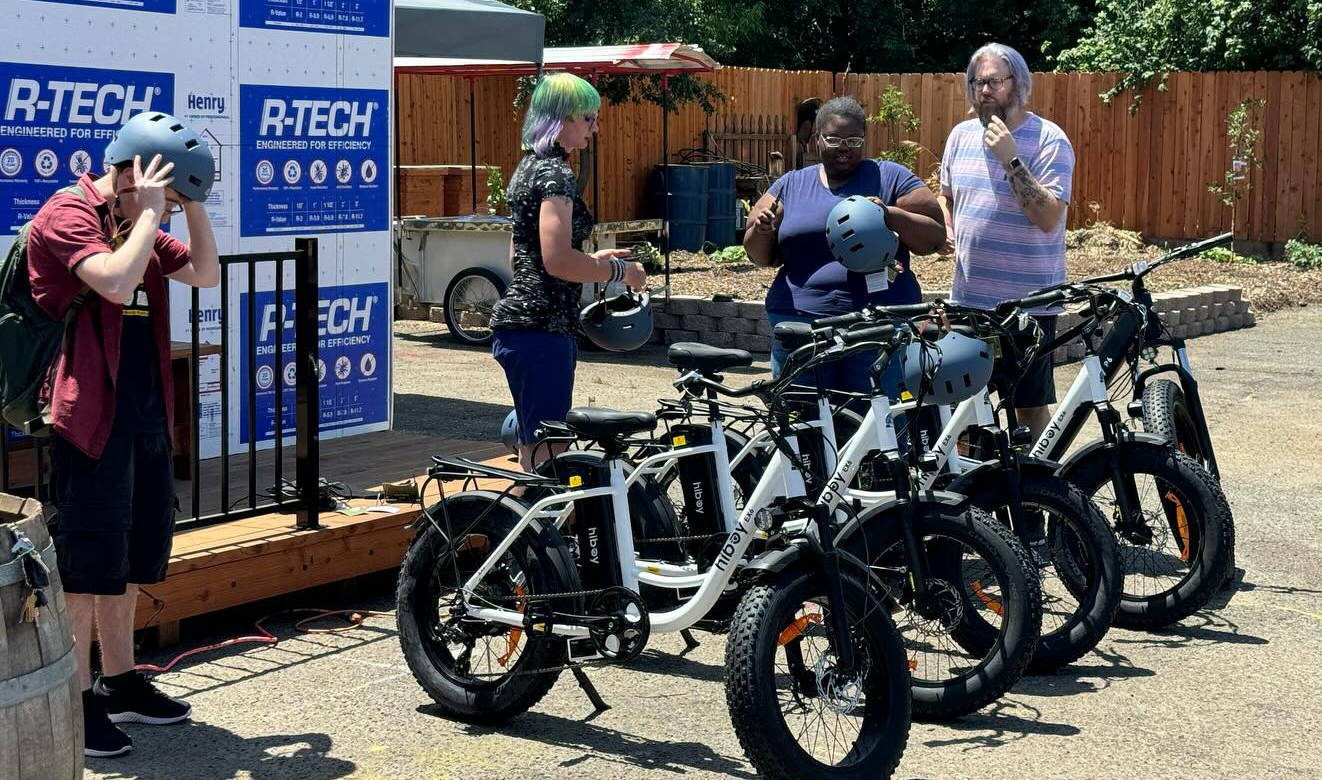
692,356
598,424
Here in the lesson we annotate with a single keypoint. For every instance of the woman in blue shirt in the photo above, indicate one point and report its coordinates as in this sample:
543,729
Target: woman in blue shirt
792,235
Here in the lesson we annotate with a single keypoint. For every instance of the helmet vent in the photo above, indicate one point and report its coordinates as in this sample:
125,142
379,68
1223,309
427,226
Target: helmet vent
190,143
176,127
194,180
848,234
843,219
856,247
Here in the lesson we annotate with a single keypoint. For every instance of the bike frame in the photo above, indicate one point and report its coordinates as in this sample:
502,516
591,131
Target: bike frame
781,479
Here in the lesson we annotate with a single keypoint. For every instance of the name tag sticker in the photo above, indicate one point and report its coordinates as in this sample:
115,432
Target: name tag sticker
877,282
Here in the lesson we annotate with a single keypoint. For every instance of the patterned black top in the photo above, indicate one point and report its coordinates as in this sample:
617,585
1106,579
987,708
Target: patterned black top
536,300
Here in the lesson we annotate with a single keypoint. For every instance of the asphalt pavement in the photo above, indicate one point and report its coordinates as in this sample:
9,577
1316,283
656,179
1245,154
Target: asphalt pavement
1234,691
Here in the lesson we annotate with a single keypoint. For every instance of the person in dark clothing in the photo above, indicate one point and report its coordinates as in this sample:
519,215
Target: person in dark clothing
534,323
788,229
110,395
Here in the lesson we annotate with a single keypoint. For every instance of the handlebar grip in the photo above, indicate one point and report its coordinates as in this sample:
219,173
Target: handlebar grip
1199,247
1032,301
871,333
839,319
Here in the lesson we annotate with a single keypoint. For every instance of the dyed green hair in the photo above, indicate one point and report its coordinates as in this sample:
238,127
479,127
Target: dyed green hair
557,98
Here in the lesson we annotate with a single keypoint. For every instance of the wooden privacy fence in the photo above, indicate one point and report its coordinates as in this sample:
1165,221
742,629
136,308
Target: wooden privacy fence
1147,171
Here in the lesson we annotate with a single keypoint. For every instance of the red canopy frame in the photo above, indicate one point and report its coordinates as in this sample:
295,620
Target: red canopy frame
643,59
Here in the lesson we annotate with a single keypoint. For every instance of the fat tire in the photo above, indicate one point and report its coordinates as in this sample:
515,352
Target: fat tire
1167,414
1098,593
750,653
537,550
1208,509
1005,654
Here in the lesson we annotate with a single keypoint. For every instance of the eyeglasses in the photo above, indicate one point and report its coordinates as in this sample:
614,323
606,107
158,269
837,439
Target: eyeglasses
173,208
994,83
835,142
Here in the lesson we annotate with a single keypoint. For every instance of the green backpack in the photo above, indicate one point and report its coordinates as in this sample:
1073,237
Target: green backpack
30,339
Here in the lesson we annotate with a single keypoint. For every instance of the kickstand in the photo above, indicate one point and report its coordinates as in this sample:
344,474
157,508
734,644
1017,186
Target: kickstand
591,690
690,644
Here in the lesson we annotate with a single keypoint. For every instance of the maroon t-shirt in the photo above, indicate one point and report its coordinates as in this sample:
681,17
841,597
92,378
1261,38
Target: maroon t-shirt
66,231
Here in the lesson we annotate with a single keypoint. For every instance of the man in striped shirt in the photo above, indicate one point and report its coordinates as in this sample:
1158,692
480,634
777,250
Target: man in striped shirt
1005,187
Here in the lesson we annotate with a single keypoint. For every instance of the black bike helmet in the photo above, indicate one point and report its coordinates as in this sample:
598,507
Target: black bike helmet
859,237
618,323
951,370
149,134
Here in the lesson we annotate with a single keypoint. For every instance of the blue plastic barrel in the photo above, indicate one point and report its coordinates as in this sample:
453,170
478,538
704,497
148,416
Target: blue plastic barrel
721,208
687,192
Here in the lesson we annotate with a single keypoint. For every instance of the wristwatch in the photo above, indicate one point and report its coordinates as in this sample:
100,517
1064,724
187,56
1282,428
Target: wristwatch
1014,164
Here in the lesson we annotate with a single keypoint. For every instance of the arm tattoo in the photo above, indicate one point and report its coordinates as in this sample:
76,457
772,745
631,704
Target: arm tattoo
1031,194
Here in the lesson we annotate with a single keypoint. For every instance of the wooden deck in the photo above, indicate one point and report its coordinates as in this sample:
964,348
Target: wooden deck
240,561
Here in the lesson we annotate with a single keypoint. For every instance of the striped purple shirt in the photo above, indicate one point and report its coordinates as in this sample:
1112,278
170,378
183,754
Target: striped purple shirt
999,253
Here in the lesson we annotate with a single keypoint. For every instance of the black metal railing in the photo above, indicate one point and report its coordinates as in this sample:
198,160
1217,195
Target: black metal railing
28,474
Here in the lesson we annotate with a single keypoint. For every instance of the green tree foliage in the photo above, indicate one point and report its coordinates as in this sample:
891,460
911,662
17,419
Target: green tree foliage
895,118
907,36
860,36
1146,39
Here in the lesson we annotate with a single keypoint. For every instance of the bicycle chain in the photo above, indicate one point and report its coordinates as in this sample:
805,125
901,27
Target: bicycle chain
587,663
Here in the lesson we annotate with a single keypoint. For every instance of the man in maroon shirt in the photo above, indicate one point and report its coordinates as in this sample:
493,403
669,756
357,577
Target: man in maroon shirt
110,392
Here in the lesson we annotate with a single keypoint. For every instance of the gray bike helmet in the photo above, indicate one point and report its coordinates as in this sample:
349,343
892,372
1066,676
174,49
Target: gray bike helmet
618,323
951,370
152,133
859,237
509,432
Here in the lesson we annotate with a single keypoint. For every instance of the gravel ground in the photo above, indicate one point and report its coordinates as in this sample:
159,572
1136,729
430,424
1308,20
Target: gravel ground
1089,252
1230,693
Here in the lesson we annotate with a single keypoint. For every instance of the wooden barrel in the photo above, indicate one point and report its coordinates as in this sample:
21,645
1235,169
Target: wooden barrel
41,704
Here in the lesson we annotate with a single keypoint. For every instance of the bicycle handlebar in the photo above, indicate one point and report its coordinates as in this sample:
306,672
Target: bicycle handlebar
870,313
1139,269
1040,298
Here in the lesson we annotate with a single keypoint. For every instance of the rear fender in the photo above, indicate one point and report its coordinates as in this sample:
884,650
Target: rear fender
464,508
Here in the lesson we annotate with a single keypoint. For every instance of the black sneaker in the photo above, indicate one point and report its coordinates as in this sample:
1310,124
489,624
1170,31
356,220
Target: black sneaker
102,738
131,698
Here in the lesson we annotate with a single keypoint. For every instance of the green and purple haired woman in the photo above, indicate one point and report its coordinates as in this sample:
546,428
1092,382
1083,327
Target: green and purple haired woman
535,322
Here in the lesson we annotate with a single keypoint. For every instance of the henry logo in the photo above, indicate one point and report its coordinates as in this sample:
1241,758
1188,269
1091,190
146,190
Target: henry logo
206,104
50,95
306,118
